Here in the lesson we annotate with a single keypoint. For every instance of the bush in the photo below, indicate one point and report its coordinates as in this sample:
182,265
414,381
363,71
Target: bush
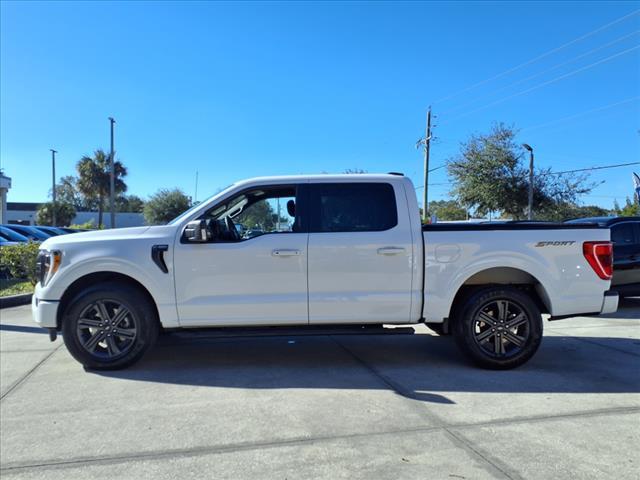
65,213
20,260
165,205
90,225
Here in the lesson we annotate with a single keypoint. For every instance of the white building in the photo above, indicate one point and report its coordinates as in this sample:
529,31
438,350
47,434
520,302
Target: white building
5,185
25,213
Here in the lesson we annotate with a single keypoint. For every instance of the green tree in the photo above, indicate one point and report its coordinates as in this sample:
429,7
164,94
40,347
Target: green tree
490,176
262,215
590,211
165,205
67,191
94,179
65,213
562,211
447,210
631,208
129,203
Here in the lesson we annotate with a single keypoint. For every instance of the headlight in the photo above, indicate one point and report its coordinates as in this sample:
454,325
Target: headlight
47,265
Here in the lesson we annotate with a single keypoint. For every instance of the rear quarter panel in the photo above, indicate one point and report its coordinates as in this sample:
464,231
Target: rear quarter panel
567,283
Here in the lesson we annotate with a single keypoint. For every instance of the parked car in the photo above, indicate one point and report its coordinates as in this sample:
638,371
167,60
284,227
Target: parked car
52,231
357,253
625,235
4,242
72,230
9,235
29,231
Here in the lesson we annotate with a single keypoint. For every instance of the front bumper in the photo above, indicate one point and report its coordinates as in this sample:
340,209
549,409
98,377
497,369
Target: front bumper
44,312
610,302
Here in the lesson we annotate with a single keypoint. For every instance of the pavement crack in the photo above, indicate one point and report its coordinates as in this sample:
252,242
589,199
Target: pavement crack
26,376
394,386
247,446
472,449
492,465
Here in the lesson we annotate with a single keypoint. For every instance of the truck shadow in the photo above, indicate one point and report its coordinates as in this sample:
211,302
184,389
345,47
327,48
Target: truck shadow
628,308
421,367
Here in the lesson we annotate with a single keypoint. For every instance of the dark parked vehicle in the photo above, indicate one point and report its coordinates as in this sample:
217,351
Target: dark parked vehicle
52,231
625,235
4,243
30,232
11,236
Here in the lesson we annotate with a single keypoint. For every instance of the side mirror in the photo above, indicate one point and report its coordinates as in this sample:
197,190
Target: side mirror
196,232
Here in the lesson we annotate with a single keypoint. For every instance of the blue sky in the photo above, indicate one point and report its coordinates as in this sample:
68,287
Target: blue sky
246,89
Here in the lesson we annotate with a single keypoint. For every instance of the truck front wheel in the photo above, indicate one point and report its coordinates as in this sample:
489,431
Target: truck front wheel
109,326
498,327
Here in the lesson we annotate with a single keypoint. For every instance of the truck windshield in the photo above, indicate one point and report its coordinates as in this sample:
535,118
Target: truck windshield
194,207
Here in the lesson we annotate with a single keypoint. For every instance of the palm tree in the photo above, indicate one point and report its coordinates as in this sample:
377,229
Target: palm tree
94,180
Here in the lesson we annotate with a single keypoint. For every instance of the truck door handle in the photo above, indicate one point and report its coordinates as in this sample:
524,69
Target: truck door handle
390,250
284,252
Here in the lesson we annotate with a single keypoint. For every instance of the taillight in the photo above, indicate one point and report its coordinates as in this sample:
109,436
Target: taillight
600,257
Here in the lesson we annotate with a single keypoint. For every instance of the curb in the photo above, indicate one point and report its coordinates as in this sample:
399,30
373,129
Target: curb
15,300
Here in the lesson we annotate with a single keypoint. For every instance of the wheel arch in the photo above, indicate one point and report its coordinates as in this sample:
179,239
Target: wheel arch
94,278
505,276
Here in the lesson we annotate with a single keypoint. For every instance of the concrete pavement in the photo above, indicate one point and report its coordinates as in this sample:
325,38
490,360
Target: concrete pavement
324,406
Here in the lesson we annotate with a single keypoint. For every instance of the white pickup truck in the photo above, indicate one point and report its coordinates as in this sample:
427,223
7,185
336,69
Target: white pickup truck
320,250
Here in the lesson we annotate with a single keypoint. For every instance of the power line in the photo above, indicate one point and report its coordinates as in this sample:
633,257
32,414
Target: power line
578,115
604,196
539,57
548,82
602,167
555,67
434,185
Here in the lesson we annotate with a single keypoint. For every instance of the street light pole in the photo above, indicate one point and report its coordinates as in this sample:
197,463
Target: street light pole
530,213
112,179
53,183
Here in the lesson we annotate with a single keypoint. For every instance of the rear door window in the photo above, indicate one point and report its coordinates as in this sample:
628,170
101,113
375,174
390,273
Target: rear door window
352,207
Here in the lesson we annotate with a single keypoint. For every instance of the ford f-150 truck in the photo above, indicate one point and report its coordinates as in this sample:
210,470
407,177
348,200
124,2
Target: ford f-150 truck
320,250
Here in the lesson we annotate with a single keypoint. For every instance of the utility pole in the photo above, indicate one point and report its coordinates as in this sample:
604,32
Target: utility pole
530,212
112,179
53,183
427,144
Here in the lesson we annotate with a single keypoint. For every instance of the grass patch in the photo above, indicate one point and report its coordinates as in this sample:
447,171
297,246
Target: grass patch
14,287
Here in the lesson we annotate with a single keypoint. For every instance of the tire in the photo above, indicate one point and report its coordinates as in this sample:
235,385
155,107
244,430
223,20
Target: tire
131,328
482,331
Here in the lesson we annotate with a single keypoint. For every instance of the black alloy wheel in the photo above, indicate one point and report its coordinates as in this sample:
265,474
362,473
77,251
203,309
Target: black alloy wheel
498,327
110,325
107,329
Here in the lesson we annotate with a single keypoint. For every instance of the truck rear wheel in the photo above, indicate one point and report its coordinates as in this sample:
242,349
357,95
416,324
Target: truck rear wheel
498,327
109,326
